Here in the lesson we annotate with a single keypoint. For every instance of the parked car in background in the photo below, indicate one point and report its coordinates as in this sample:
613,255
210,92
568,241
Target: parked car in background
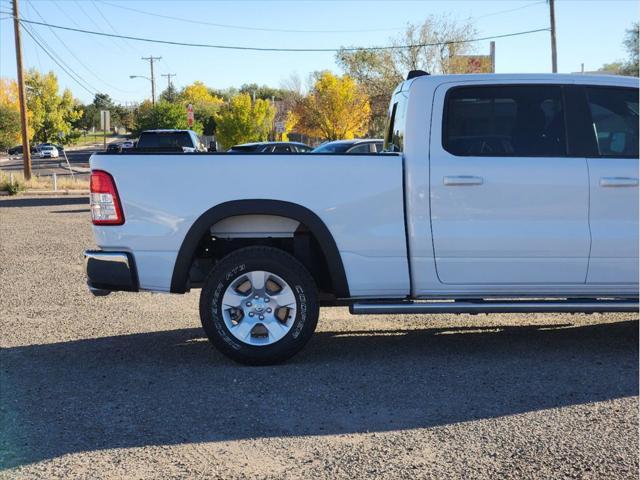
128,144
114,147
48,151
185,141
351,146
17,150
271,147
58,147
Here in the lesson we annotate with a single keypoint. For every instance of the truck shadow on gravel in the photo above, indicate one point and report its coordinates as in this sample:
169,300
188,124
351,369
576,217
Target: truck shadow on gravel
172,387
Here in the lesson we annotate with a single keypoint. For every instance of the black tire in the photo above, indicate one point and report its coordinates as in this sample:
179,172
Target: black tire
251,259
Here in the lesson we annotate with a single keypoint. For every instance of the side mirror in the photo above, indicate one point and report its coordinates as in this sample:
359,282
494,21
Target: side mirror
213,147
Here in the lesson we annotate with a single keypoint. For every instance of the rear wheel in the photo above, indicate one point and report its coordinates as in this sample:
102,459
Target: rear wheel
259,306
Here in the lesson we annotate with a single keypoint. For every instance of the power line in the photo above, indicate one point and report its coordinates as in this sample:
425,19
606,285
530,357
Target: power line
82,64
43,44
284,30
270,49
510,10
68,69
109,24
94,22
241,27
56,61
70,17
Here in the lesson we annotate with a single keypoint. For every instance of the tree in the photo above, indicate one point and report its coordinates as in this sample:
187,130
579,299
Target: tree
52,114
631,45
262,91
91,112
379,72
205,105
162,115
9,127
244,121
10,133
334,109
169,94
290,122
378,75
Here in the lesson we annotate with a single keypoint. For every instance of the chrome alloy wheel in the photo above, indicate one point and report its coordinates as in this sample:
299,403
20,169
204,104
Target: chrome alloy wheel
259,308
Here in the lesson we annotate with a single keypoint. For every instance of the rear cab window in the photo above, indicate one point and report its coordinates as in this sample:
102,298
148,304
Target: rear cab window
170,141
396,120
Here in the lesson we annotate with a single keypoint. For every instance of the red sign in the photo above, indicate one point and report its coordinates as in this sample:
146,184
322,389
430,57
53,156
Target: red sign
190,115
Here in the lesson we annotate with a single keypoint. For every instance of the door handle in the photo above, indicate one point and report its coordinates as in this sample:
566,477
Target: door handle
618,182
461,180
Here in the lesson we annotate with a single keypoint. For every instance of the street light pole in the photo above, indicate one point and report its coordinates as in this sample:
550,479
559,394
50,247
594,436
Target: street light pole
153,96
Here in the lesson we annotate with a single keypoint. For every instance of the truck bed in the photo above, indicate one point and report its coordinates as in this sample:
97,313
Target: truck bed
359,197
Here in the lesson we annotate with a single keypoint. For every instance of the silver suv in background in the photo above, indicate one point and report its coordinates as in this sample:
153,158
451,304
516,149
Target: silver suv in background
365,145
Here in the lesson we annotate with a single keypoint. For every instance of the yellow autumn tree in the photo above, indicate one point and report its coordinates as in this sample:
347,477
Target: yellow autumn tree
290,122
205,104
9,114
244,121
334,109
51,114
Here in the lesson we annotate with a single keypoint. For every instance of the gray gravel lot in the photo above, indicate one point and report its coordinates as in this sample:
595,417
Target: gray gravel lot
126,386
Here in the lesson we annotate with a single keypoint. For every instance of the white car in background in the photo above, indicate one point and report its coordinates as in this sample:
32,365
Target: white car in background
48,151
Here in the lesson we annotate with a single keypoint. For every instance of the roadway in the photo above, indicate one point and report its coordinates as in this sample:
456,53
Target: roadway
78,160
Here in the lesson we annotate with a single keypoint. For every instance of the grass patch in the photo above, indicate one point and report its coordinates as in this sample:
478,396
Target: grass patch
16,183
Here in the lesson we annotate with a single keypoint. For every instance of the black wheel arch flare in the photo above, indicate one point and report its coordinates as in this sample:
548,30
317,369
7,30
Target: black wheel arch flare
260,207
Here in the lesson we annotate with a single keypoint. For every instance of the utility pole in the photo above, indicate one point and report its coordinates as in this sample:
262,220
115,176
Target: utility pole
168,75
22,99
554,52
169,85
151,58
492,55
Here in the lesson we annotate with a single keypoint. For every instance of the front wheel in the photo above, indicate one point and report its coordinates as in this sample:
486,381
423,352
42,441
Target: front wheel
259,306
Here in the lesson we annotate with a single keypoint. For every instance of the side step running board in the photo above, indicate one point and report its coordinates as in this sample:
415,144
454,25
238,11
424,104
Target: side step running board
496,306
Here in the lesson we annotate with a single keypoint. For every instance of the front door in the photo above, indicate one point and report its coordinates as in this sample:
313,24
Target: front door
508,205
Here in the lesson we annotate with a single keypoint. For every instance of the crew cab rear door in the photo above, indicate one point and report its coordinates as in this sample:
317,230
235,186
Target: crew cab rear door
613,171
508,203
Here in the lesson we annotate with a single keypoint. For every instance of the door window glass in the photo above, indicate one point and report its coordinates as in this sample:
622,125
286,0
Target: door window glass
614,112
362,148
282,149
518,121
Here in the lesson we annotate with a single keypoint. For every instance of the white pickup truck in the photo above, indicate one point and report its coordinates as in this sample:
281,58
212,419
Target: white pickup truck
494,193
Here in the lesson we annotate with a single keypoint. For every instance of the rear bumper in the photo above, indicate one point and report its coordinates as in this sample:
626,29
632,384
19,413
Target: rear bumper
110,272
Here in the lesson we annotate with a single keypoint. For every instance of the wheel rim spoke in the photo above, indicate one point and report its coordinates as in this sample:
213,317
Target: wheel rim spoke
276,330
257,280
232,299
285,297
242,331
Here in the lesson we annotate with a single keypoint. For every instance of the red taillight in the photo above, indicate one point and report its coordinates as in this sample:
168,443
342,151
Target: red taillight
105,203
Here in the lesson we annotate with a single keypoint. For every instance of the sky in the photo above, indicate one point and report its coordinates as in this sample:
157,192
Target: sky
588,31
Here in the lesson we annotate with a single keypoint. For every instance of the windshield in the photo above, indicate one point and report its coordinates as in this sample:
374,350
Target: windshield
247,148
168,140
333,147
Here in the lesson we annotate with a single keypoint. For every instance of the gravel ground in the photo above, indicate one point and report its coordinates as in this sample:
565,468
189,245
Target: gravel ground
126,386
